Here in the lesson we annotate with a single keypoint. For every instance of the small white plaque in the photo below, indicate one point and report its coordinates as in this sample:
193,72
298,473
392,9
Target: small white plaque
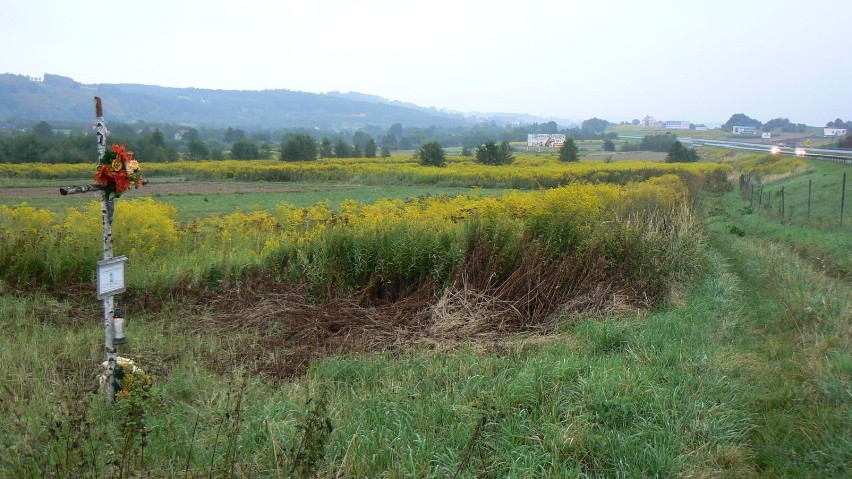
111,276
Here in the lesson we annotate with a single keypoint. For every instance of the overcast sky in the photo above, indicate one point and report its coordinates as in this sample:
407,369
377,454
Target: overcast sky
619,59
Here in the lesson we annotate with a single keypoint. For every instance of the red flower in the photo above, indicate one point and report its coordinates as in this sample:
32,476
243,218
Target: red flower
103,175
122,182
119,151
113,173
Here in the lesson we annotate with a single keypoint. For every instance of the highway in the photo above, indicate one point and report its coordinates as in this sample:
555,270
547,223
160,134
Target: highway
841,156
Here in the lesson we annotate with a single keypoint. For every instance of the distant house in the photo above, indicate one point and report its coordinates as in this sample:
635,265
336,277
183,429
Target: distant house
648,121
182,133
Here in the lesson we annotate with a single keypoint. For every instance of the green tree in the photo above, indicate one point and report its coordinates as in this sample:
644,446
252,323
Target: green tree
190,134
360,139
370,148
325,149
264,150
153,148
659,143
608,145
386,153
594,125
465,151
232,135
549,127
395,130
776,123
342,149
391,141
299,147
244,149
739,119
157,138
431,154
681,154
43,130
196,149
569,151
489,153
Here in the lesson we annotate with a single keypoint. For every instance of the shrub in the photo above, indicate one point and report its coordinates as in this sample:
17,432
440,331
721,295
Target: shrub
431,154
568,151
299,148
681,154
490,153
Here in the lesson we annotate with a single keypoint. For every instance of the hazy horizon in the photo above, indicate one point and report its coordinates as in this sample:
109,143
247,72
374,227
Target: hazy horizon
615,60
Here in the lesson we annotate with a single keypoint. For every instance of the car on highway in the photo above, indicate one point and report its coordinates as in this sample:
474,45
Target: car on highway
801,152
775,150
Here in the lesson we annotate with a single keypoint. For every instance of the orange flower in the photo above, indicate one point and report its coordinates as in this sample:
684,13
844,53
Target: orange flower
122,182
103,176
119,150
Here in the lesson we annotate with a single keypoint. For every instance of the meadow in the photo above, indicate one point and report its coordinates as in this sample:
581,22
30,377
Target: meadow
537,320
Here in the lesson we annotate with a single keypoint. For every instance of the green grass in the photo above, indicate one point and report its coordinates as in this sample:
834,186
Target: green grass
606,397
826,180
716,385
797,331
819,239
746,372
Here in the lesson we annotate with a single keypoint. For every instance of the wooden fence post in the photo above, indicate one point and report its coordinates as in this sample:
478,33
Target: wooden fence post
842,199
809,200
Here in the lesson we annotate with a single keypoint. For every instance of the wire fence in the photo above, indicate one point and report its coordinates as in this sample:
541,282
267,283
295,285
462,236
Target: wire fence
817,203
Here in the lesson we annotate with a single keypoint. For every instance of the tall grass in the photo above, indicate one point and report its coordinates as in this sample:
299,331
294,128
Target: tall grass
608,397
795,325
635,232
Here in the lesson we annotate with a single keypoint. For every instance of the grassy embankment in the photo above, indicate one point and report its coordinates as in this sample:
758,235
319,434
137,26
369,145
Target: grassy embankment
745,372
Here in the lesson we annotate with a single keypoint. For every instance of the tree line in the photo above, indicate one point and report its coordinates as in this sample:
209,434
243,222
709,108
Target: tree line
74,143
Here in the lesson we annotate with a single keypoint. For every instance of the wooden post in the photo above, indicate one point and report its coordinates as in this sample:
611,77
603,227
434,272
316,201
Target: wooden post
782,203
842,198
107,208
809,200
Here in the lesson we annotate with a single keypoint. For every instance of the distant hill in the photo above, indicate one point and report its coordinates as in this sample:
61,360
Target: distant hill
58,98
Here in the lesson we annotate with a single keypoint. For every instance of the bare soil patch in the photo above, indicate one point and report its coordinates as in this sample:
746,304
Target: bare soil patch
276,330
